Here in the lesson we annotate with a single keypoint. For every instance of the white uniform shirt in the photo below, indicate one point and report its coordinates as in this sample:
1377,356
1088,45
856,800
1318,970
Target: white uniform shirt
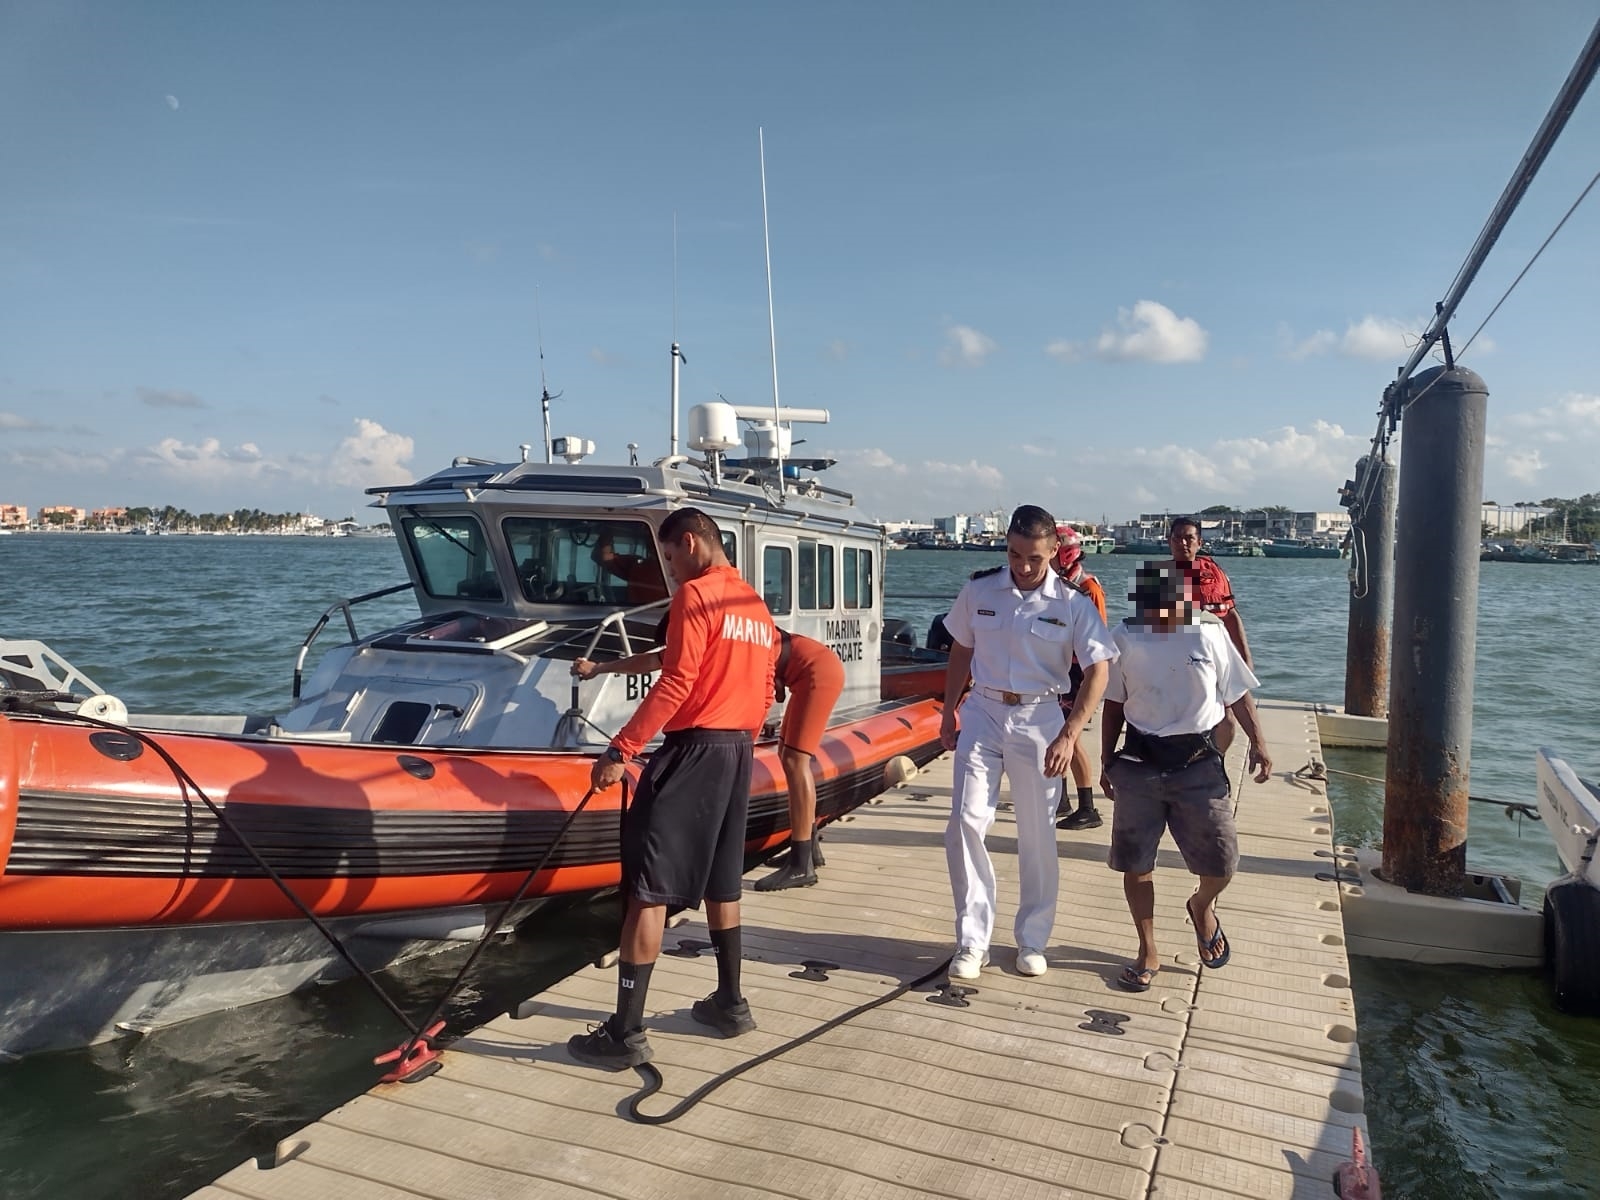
1024,642
1176,680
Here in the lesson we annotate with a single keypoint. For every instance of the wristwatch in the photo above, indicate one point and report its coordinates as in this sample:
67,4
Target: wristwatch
615,755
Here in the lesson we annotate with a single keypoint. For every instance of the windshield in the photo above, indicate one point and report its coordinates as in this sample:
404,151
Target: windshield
574,560
452,556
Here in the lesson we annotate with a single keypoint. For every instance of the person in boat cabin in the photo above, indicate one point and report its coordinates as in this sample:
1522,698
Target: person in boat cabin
641,572
1174,680
814,678
1069,565
1212,593
1016,630
683,836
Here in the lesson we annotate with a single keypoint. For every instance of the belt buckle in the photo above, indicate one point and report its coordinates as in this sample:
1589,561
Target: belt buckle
1010,697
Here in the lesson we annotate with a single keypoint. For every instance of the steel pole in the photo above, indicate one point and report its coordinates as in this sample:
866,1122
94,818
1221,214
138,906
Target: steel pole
1437,538
1366,653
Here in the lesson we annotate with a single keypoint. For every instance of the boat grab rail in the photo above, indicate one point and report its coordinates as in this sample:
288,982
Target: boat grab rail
619,617
340,606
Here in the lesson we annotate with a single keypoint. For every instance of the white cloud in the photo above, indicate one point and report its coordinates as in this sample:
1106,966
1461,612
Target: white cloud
1524,466
169,398
172,102
1147,332
1377,339
965,347
21,424
370,457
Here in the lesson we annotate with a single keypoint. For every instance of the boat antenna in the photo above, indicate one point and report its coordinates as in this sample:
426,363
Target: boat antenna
544,388
772,325
677,352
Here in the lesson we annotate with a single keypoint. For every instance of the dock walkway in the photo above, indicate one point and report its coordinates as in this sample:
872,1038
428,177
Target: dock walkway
1240,1082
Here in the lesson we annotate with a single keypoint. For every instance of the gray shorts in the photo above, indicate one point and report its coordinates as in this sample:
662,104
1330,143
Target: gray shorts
1195,802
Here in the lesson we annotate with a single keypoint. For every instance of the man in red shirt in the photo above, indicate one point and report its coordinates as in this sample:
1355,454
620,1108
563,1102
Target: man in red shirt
1210,592
1069,565
683,836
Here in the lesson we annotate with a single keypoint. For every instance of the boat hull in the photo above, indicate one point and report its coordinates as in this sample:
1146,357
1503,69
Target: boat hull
125,905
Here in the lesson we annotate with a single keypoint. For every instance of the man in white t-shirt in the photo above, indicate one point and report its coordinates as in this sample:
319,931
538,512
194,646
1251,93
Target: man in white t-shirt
1173,682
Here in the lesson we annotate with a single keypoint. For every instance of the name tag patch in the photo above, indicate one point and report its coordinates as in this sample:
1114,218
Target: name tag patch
986,612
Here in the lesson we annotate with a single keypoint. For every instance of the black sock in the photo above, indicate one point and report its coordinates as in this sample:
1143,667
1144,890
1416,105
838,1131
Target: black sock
1086,799
729,945
800,857
633,981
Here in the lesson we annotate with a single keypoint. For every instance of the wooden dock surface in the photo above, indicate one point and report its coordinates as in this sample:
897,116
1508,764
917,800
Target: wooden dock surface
1239,1082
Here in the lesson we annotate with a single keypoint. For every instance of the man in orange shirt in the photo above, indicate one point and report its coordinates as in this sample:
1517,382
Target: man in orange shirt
814,678
1069,565
1213,594
683,837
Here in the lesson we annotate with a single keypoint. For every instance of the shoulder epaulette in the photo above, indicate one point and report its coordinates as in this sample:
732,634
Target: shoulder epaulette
984,574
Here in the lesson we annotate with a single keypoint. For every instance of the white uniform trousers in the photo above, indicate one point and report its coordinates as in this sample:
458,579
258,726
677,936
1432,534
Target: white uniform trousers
997,738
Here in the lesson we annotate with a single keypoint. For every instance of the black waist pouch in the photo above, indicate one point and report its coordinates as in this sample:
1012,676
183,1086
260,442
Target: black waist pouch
1167,753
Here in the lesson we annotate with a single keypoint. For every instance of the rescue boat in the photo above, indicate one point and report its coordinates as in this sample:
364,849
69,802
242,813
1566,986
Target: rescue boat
419,772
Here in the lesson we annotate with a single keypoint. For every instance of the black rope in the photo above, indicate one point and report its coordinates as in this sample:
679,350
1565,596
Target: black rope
652,1076
185,784
489,929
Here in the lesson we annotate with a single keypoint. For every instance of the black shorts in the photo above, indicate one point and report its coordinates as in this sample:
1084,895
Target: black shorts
683,835
1074,679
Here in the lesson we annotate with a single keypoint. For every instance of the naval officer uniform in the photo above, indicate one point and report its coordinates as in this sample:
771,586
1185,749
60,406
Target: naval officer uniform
1023,644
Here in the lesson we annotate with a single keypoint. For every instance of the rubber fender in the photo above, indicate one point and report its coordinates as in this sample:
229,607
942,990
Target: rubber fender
1572,946
8,789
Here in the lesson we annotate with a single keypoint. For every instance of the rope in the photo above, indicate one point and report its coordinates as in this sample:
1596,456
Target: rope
1317,770
186,783
652,1076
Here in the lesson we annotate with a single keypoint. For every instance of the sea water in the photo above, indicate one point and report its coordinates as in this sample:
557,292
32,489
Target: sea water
1475,1087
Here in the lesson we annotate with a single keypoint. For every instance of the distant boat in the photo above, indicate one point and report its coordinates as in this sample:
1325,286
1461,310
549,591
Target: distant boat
1235,548
1298,548
1145,547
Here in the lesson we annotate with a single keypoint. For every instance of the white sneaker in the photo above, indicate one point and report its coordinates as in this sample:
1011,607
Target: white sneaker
1031,962
969,960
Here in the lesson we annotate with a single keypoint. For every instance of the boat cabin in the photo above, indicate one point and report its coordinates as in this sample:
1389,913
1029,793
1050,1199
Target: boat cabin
521,569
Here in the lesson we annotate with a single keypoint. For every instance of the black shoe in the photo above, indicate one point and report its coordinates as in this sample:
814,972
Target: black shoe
601,1048
729,1022
1083,818
786,876
783,858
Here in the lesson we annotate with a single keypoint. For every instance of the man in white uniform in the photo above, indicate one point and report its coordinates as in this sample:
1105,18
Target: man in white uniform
1173,683
1015,632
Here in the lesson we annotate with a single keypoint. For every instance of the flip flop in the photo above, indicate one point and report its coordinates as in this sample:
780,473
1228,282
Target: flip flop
1135,978
1219,946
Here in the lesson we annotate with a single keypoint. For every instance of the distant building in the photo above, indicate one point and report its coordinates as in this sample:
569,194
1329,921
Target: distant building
76,515
954,528
1512,518
108,516
13,515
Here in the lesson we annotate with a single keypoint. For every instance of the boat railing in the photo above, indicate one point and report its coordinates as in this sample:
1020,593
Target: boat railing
619,618
342,606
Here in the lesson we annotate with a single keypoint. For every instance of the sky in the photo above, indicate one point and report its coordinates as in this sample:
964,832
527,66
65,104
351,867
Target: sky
1107,258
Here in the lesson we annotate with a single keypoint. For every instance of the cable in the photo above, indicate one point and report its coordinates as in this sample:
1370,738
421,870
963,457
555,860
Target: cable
653,1080
1581,197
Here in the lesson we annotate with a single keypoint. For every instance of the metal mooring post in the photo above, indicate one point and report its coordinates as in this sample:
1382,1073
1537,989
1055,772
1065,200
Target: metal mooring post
1435,627
1366,647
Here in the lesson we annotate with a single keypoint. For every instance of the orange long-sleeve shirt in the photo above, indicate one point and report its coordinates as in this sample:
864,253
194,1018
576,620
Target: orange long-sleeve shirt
717,669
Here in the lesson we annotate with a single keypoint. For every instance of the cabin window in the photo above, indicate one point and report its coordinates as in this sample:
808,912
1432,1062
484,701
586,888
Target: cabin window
730,546
585,561
825,577
777,578
808,574
858,585
452,556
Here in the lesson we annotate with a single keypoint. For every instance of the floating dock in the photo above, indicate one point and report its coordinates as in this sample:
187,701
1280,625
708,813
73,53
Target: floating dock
1239,1082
